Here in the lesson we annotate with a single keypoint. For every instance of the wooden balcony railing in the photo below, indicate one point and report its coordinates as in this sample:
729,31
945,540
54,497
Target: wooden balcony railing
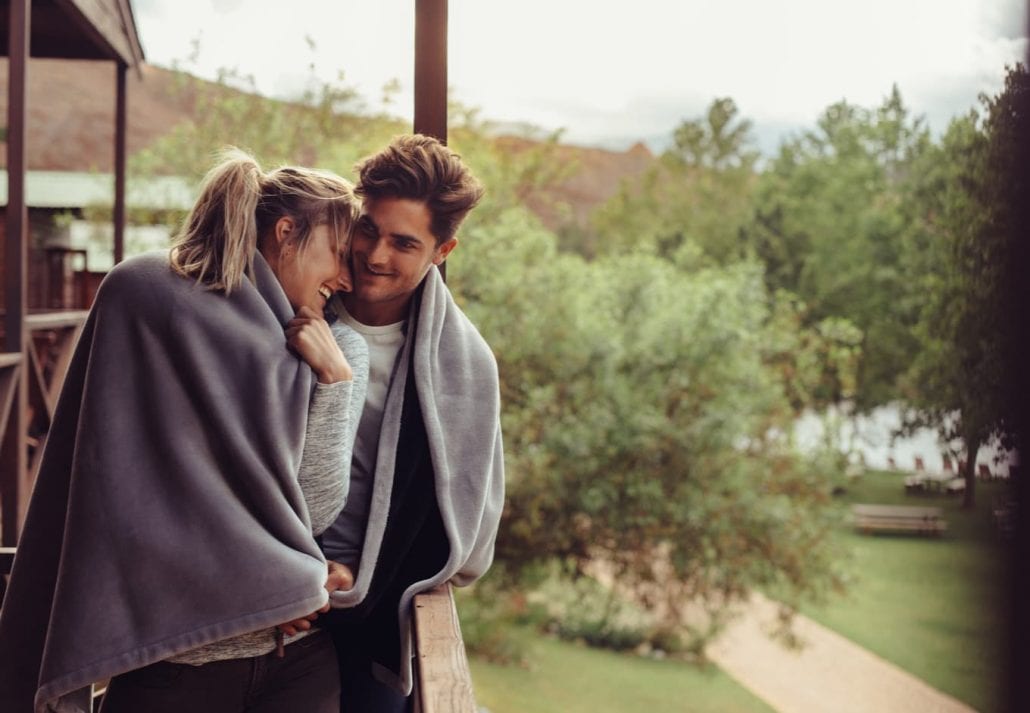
443,682
40,370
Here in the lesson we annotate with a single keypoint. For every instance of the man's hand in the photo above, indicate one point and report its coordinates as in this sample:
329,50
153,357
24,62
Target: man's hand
308,334
339,577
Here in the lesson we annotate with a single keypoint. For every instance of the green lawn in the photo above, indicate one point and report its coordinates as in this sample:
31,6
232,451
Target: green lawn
933,606
566,678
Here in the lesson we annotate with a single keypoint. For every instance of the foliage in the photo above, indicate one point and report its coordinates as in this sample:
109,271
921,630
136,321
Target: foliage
968,232
692,206
325,125
639,421
828,222
492,625
817,363
229,111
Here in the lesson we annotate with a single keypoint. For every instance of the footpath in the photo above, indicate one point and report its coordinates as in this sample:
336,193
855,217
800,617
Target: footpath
828,674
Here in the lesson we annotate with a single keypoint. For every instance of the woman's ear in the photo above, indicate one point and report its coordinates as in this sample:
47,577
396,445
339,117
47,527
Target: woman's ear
283,230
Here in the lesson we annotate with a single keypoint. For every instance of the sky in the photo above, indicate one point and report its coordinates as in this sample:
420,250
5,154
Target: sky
613,73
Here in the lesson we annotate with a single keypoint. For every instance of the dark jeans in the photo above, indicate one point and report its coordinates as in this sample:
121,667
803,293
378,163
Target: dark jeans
360,691
305,680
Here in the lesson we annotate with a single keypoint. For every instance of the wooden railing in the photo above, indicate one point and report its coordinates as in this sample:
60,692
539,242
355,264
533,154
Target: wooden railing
443,683
40,371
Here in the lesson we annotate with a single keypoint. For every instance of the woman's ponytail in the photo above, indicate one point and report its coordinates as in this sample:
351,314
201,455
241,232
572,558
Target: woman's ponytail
218,240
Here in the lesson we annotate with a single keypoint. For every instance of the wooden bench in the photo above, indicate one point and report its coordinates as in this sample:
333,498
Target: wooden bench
898,518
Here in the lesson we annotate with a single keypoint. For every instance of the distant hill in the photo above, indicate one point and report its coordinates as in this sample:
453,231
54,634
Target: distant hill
594,176
71,113
71,128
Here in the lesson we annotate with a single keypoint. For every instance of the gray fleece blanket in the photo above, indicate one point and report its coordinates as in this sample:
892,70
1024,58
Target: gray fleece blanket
457,388
166,514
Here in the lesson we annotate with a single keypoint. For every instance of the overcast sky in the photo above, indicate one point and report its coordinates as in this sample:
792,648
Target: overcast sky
611,73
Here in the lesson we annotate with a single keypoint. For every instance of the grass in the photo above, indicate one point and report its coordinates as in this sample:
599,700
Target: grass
567,678
933,606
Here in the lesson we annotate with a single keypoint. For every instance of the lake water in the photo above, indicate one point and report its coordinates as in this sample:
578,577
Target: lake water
870,436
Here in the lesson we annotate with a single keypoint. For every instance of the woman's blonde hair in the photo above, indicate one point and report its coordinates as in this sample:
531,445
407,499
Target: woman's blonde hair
239,204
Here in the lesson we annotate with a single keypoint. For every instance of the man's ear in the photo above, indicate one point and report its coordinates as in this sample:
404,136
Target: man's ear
443,250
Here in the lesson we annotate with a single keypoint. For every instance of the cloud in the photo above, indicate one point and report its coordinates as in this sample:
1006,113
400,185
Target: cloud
227,6
607,70
1005,19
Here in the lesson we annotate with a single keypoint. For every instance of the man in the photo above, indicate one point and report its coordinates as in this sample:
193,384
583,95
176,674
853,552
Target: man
427,480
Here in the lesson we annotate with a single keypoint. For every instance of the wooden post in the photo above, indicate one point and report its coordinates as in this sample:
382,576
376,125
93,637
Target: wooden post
443,681
431,68
431,73
120,112
14,459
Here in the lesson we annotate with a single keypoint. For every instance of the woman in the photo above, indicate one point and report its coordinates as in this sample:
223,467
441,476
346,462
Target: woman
191,458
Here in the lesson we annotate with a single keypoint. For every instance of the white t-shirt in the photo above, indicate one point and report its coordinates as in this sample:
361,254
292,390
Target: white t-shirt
343,540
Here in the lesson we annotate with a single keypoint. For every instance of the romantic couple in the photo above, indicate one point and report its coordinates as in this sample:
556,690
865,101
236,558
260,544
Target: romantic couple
238,500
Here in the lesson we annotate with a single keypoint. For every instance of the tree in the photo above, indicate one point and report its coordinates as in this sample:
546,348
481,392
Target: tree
828,224
643,420
969,234
692,205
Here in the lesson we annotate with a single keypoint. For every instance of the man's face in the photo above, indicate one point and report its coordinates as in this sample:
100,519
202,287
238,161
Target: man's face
391,252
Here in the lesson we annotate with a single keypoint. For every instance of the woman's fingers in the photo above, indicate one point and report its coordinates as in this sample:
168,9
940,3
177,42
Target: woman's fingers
340,577
310,337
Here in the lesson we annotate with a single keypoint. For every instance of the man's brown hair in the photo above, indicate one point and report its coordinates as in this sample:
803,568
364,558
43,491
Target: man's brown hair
420,168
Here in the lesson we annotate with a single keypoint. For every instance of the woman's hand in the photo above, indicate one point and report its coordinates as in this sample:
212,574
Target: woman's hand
339,577
309,336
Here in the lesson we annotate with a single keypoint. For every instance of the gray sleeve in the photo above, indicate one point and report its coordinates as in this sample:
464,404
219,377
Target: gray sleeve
324,473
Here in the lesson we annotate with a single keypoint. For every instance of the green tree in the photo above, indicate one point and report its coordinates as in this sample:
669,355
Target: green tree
829,221
643,420
692,205
970,229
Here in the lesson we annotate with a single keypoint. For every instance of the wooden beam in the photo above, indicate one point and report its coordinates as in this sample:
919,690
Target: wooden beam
6,559
65,348
120,112
443,683
56,320
431,73
16,262
431,68
14,491
105,30
10,377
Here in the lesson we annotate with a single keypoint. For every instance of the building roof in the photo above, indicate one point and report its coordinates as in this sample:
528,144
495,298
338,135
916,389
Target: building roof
81,29
69,190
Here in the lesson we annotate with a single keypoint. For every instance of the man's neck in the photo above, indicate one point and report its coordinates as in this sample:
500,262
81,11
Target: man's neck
376,314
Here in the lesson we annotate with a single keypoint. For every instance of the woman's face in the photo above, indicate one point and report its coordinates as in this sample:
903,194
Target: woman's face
310,278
